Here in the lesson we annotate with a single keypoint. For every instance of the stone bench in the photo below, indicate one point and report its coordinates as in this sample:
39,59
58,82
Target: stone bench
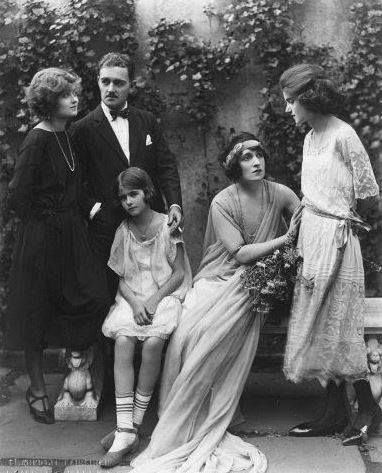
81,391
373,327
373,319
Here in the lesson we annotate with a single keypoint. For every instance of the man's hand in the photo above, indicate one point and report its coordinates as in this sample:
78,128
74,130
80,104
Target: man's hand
95,210
174,218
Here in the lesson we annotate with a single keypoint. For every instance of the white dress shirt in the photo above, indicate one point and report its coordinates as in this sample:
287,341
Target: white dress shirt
120,127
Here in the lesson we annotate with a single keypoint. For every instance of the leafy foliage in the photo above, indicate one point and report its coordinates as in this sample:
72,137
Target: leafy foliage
271,279
35,35
173,49
362,79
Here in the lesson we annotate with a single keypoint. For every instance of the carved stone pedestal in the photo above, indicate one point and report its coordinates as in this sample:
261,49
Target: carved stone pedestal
81,391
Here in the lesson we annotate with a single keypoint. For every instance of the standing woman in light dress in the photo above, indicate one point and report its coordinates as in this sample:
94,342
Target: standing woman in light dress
211,351
325,337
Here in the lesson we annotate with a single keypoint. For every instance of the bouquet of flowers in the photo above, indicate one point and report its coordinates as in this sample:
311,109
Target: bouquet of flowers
271,279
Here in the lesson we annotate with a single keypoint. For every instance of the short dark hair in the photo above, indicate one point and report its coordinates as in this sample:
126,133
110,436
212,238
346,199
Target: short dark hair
233,170
134,178
117,60
312,87
47,86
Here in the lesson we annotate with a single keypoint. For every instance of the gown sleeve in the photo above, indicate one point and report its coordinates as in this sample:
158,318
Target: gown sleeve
357,159
117,253
226,227
172,241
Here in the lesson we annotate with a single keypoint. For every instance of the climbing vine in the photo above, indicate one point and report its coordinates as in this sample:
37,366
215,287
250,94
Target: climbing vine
36,36
260,32
199,64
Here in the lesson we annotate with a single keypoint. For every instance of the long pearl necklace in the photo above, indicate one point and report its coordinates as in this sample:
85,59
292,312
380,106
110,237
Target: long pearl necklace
72,166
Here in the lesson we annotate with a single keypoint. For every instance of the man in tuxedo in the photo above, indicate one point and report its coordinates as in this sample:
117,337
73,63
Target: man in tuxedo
108,140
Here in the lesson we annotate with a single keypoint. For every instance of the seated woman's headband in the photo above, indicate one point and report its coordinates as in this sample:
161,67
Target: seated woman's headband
239,148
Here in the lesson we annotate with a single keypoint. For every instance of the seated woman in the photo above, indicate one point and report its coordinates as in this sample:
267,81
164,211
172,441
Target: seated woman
212,350
57,291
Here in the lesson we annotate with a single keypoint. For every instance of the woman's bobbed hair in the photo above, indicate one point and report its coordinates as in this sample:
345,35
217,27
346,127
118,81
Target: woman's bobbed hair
134,178
47,86
232,169
311,86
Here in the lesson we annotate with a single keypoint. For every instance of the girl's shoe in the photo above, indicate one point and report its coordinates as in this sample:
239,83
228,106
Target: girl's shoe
108,440
46,416
111,459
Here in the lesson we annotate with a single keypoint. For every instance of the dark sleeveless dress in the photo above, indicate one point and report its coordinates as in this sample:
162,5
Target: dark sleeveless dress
58,294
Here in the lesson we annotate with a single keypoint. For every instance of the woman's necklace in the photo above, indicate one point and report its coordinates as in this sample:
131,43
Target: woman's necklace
72,165
143,233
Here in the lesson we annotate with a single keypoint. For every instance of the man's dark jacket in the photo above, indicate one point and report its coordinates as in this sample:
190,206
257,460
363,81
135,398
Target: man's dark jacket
102,159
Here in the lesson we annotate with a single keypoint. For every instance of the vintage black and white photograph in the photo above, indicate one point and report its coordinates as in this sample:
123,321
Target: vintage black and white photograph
191,236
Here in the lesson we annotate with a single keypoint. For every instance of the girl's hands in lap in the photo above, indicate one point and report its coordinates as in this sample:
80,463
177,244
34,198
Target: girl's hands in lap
151,306
141,316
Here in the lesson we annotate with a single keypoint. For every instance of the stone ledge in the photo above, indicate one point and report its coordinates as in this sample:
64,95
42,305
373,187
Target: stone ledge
27,467
53,359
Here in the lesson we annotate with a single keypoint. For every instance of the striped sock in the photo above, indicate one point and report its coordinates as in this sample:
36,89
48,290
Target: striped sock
141,403
124,406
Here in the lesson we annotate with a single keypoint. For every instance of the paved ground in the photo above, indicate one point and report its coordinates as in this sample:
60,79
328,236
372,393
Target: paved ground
270,405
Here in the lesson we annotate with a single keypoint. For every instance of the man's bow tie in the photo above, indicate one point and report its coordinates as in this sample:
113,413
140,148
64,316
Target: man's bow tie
119,113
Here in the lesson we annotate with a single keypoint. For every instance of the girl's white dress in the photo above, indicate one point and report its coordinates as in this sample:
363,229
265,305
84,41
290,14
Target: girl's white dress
325,337
144,266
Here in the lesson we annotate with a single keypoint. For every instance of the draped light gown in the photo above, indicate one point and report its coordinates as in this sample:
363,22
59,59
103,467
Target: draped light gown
211,352
325,336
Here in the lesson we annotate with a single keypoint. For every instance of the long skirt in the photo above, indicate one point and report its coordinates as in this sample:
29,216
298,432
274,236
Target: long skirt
58,293
207,364
325,336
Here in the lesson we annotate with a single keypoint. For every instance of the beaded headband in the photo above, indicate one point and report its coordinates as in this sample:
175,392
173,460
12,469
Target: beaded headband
239,148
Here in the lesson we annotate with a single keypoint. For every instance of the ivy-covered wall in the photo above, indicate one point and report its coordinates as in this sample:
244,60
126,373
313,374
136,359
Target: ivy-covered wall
205,70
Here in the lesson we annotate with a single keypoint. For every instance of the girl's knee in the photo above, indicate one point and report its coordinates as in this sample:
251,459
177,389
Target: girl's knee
123,341
125,345
152,347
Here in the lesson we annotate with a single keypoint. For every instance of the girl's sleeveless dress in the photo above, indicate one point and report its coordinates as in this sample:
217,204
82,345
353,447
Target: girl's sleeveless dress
144,267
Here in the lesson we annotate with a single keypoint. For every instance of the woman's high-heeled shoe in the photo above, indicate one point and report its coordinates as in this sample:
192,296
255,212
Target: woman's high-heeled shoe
333,420
111,459
363,424
368,417
318,429
45,416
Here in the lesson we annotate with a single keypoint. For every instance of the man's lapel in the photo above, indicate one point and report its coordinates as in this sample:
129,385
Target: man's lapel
105,130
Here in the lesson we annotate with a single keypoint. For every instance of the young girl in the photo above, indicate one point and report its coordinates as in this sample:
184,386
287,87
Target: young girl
154,276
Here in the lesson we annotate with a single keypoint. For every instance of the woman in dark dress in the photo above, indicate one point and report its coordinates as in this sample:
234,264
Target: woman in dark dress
56,288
